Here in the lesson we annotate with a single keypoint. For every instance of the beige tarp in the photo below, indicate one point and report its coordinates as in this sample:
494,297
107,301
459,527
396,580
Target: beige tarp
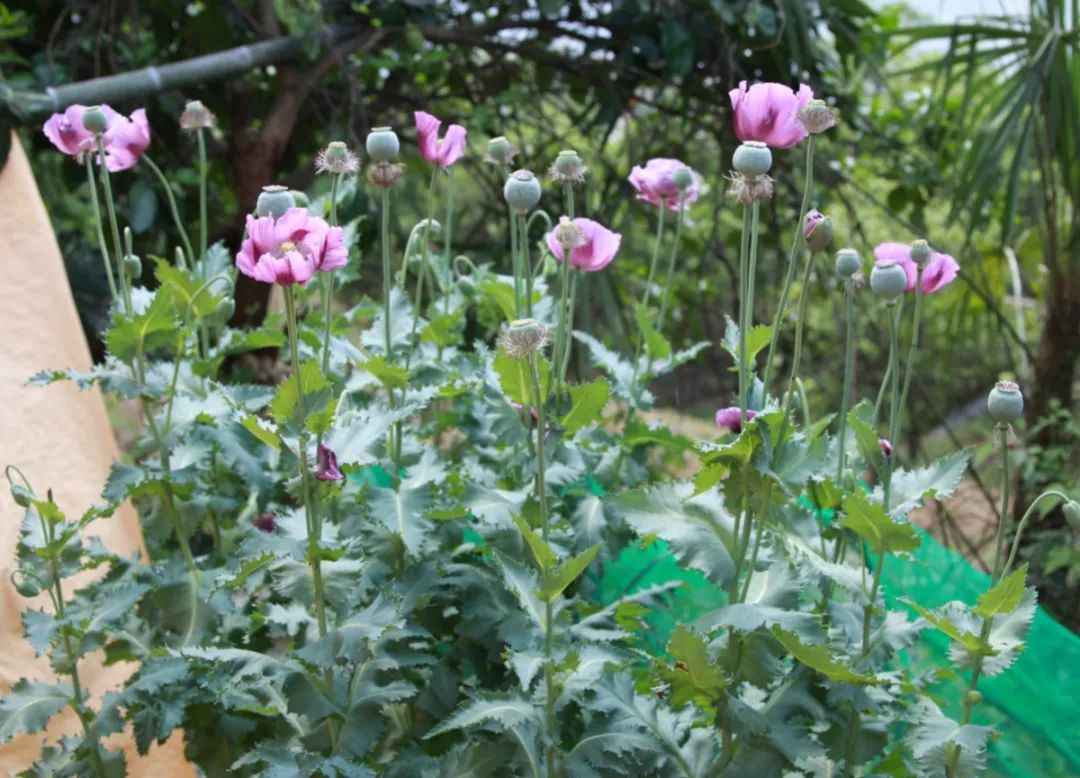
60,437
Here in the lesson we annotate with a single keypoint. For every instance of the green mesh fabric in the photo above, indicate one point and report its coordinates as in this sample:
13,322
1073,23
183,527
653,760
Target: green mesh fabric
1033,704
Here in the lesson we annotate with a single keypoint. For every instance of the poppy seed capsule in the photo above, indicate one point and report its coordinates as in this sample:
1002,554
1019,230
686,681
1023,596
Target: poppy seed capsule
816,116
972,697
133,266
522,190
888,280
683,178
568,166
752,159
196,116
921,252
848,263
274,201
1005,403
95,120
382,144
500,150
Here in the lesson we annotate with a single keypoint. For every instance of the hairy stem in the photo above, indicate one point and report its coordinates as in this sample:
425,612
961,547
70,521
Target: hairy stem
110,207
200,136
173,210
105,258
744,251
849,368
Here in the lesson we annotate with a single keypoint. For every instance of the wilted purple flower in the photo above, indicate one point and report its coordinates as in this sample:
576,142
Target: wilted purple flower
657,183
731,418
443,151
886,447
326,466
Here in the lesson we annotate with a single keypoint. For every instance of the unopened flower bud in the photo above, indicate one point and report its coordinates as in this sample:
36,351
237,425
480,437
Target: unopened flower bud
264,522
817,230
1071,509
816,116
1005,403
569,235
196,116
921,252
500,151
133,266
752,159
21,495
683,178
885,446
95,120
224,310
522,190
274,201
382,144
568,166
524,337
972,697
385,174
467,287
888,280
848,263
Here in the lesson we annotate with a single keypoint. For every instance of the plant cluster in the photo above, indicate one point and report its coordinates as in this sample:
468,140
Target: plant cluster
409,558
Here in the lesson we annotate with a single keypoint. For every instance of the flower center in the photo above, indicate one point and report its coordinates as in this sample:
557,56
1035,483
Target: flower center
288,246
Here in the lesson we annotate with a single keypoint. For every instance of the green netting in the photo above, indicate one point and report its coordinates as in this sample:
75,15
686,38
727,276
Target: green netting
1033,704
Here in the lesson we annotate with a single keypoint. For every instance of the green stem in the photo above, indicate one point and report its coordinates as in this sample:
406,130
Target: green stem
849,367
328,281
110,207
796,241
448,238
894,405
526,263
744,252
665,294
999,544
387,273
868,609
203,226
647,295
760,531
541,491
549,684
171,200
568,341
1023,525
515,262
423,271
100,227
909,368
800,322
561,334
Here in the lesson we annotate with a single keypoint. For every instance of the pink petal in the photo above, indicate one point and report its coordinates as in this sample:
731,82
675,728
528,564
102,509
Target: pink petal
901,253
940,271
427,131
452,147
554,246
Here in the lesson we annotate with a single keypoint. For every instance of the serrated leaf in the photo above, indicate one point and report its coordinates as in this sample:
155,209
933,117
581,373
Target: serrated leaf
870,522
818,658
516,379
522,583
756,339
909,488
587,403
554,582
655,344
496,714
390,376
618,369
693,678
146,330
1004,597
29,706
860,422
263,429
313,385
545,557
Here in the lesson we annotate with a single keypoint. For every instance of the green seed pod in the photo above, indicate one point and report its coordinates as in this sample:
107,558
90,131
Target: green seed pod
522,190
27,587
133,266
500,150
848,263
274,201
972,697
1005,403
818,232
568,166
888,280
95,120
752,159
683,178
921,252
467,287
382,144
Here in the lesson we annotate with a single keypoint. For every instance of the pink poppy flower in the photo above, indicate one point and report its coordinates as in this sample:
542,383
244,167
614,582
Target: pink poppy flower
289,249
731,418
443,151
940,270
326,466
600,247
655,183
769,113
125,138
